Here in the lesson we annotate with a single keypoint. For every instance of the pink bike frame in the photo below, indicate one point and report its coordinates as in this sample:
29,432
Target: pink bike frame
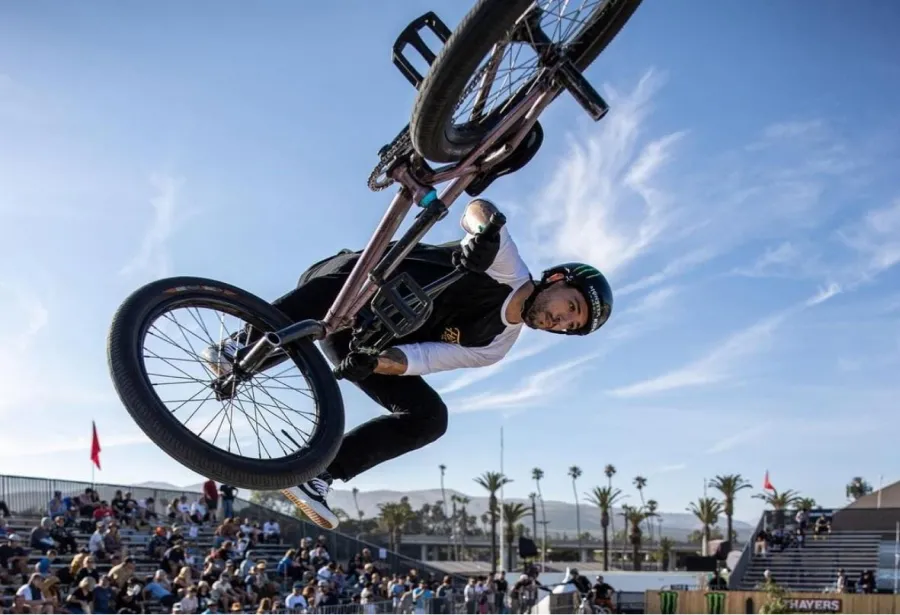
359,288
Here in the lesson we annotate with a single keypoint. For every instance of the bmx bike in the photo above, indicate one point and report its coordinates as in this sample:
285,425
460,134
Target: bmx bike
478,131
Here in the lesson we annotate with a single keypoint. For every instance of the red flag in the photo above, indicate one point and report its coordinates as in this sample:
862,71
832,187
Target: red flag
95,447
766,484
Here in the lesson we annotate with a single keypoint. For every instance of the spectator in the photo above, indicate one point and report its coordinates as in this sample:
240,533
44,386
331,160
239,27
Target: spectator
190,603
229,493
88,569
121,574
81,598
32,593
822,527
103,512
841,583
56,507
158,588
422,596
112,542
4,509
63,536
199,512
40,537
271,532
212,498
96,543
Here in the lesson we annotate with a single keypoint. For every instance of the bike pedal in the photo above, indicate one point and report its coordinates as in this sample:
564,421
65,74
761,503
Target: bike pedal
401,305
411,37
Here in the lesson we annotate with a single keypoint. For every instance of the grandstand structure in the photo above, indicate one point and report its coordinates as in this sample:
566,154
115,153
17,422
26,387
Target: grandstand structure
865,535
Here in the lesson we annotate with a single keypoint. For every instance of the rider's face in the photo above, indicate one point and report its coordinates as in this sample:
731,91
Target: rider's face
558,307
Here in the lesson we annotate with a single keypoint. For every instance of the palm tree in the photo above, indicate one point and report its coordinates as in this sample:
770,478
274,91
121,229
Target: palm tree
610,470
652,506
634,517
806,504
779,502
512,515
493,481
533,497
639,483
857,488
604,498
707,511
665,551
574,474
463,521
537,474
393,517
729,485
359,512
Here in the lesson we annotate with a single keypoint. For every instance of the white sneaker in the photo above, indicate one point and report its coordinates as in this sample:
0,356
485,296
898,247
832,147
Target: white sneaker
311,498
220,358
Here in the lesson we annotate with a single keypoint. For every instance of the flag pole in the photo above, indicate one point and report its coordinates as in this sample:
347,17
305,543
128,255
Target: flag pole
500,512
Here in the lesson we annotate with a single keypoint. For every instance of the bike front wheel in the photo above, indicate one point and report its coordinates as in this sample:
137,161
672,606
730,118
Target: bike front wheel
168,349
456,107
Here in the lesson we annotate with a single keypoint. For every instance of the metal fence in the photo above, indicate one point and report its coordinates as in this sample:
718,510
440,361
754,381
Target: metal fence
430,605
26,495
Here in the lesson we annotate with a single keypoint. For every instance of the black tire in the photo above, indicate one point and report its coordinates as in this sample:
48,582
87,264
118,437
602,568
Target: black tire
126,365
433,134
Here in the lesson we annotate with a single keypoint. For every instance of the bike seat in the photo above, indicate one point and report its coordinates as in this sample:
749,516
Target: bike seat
521,156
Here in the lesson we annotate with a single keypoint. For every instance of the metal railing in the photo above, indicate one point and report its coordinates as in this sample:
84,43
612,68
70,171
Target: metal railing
30,495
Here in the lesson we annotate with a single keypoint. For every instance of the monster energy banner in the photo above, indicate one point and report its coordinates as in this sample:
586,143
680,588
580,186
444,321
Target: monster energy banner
715,603
668,602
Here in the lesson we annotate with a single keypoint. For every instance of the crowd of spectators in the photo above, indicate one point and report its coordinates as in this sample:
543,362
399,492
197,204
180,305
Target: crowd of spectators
102,573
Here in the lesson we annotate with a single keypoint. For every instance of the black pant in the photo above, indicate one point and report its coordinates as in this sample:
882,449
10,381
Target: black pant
417,416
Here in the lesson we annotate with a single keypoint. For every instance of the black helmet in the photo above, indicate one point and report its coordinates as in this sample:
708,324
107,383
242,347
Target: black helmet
593,285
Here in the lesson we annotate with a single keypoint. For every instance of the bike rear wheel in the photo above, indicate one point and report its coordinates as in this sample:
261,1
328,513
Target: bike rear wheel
438,131
146,338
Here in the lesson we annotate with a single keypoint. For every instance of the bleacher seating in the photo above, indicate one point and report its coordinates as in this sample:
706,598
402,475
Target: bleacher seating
815,566
135,541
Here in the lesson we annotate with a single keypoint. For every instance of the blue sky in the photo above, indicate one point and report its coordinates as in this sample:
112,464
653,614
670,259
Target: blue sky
743,196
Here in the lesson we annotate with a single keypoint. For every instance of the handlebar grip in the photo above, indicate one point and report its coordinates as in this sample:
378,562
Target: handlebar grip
497,222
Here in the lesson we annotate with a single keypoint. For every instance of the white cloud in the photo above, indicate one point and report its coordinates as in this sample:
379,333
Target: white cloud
673,467
719,363
152,258
733,441
876,238
678,266
532,390
605,203
773,261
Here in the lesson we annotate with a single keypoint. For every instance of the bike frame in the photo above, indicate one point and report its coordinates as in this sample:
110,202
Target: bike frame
374,266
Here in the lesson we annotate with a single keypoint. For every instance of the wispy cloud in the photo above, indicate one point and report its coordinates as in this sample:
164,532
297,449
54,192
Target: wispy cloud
719,363
733,441
606,203
536,388
673,467
676,267
152,258
876,238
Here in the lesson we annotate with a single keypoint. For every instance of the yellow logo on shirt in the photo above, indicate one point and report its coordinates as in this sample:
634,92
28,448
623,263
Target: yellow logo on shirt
450,335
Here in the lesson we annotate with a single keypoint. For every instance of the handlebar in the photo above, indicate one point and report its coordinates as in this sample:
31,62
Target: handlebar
494,225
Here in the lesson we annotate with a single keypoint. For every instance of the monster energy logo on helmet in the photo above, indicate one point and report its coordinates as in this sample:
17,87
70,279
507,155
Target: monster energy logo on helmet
715,603
668,602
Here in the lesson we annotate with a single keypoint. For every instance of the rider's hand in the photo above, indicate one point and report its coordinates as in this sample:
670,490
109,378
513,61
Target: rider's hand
356,366
479,252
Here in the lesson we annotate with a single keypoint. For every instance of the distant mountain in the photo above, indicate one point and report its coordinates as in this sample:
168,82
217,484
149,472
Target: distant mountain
560,515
